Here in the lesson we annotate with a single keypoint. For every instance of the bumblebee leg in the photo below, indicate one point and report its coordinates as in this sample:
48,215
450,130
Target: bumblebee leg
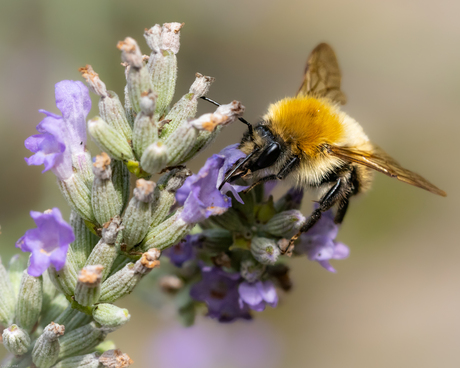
280,176
334,195
342,210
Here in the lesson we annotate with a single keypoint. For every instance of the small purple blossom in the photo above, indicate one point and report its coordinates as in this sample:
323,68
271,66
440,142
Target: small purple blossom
319,244
219,290
257,294
183,251
200,194
61,136
48,243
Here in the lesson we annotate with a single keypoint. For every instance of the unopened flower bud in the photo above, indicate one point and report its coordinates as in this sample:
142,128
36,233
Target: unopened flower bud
167,233
180,143
216,239
121,181
7,298
78,196
88,286
16,340
82,340
138,215
80,361
72,319
154,158
66,278
153,38
229,220
109,140
251,270
15,268
130,52
285,223
124,281
265,250
224,115
186,107
46,349
104,198
93,81
145,128
29,303
105,251
115,359
110,316
49,291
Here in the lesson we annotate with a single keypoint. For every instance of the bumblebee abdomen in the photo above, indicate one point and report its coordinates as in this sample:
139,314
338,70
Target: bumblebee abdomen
306,123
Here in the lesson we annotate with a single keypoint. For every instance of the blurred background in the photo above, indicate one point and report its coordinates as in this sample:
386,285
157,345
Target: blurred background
395,302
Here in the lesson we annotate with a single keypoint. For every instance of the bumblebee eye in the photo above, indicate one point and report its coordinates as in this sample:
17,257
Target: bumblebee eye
268,157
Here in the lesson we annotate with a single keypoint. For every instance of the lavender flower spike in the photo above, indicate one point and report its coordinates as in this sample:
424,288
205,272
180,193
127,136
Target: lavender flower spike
48,243
200,194
63,138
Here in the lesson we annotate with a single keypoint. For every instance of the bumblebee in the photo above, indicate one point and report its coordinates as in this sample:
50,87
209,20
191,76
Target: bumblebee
308,140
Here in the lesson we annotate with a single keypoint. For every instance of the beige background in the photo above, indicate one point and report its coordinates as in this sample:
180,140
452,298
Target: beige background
395,302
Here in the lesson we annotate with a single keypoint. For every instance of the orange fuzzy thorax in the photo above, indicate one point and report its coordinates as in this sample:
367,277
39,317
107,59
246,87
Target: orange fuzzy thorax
306,122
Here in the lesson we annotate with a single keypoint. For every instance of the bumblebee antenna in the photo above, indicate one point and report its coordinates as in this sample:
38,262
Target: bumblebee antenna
251,132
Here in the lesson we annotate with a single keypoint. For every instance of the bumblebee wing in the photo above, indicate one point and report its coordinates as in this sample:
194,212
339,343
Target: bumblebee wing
382,162
322,75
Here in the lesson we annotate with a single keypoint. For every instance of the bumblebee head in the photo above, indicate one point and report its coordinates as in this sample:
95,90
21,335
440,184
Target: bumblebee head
264,152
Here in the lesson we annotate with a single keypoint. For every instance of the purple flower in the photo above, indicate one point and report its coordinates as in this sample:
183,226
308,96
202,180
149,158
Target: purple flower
257,294
319,244
62,137
48,243
183,251
219,290
200,194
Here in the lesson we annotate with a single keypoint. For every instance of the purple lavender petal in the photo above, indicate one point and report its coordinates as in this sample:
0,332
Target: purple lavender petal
327,266
48,243
268,292
39,262
341,251
250,294
72,98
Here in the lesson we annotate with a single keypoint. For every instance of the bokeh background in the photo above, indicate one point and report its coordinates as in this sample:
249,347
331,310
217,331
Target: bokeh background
396,301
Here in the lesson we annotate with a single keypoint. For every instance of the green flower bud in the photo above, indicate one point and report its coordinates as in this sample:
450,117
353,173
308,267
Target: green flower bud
138,76
251,270
57,306
29,302
104,198
120,262
110,107
154,158
186,107
203,140
16,340
49,291
229,220
167,233
285,223
121,181
165,193
145,127
84,242
105,251
7,298
82,163
124,281
110,316
109,140
265,250
164,75
16,266
80,361
88,286
82,340
46,349
66,278
180,143
224,115
138,215
78,196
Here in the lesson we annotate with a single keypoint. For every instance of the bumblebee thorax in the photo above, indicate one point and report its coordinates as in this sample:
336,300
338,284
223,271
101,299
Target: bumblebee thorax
306,123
